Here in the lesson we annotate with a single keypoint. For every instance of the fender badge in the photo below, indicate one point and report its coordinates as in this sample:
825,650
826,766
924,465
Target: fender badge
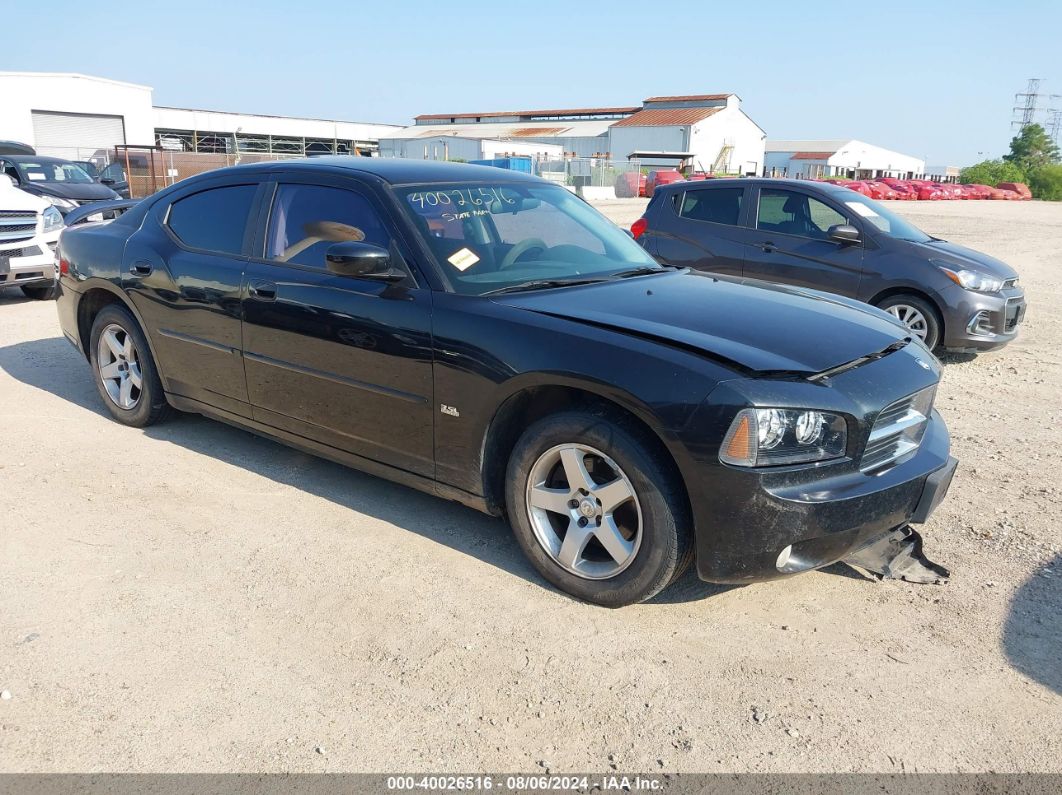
449,410
923,364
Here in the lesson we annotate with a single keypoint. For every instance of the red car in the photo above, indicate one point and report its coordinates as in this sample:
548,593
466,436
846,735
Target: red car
882,190
930,193
665,177
1018,187
975,191
859,187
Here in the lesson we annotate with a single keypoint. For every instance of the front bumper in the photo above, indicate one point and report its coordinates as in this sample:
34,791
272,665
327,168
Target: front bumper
976,322
819,522
28,262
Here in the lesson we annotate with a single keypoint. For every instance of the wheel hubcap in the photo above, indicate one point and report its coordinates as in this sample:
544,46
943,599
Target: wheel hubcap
910,317
119,367
584,511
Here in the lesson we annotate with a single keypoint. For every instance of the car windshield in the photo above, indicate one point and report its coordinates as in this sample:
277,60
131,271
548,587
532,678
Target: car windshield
52,171
491,236
885,220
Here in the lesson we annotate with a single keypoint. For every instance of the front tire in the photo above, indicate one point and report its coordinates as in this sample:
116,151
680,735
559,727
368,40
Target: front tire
597,508
917,315
39,292
125,373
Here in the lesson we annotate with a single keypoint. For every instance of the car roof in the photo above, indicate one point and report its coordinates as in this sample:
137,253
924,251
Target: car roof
35,159
396,171
773,182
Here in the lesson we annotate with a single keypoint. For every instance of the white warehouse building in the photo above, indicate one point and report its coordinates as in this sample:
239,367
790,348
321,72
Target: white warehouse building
708,131
839,158
80,117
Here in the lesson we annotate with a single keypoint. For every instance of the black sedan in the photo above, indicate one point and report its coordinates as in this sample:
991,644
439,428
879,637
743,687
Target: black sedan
814,234
490,338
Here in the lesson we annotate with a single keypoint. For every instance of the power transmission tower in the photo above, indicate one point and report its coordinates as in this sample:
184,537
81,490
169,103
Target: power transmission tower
1054,123
1026,104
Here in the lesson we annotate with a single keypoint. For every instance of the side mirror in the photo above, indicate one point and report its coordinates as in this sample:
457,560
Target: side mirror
362,261
846,234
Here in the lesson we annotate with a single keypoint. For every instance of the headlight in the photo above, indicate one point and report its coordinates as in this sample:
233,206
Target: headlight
53,219
763,437
62,204
972,280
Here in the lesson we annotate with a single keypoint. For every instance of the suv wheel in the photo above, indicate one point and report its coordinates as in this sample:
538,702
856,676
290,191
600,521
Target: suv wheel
596,510
125,373
39,292
915,313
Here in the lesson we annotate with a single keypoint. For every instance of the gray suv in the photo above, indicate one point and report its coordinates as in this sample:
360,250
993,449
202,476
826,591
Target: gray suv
823,236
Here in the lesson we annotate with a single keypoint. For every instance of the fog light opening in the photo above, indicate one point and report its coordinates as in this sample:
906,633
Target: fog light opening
783,558
981,324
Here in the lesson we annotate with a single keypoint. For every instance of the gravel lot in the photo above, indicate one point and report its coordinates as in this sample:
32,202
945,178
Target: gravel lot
193,598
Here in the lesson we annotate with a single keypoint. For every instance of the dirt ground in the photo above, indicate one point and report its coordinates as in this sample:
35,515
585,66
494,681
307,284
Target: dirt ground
193,598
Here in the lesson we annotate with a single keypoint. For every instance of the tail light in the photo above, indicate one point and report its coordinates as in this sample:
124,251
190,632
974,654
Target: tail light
638,228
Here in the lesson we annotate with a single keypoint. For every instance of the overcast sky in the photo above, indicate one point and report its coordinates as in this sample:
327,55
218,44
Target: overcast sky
935,82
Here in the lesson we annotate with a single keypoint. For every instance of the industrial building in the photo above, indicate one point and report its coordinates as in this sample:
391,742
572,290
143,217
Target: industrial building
839,158
710,131
77,116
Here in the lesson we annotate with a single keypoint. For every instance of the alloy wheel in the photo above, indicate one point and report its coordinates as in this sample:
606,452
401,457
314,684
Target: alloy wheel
584,511
911,317
119,367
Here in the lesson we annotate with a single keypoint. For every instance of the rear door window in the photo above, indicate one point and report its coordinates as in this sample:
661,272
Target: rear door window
713,205
214,219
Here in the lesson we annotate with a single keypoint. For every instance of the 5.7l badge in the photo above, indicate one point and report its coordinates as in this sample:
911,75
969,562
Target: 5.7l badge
449,410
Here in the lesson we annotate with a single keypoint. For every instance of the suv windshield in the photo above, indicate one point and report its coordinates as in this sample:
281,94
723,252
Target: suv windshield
489,236
52,171
885,220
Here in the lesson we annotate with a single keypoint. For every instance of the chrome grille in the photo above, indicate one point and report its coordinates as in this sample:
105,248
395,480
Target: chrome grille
17,225
898,430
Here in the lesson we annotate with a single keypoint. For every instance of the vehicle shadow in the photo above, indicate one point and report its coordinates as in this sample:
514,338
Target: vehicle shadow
54,366
13,295
956,358
1032,634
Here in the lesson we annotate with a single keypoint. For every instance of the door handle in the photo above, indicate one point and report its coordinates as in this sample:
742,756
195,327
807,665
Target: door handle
141,268
263,291
768,247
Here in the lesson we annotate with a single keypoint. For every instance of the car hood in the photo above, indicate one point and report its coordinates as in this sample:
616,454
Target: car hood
961,257
80,192
11,198
755,325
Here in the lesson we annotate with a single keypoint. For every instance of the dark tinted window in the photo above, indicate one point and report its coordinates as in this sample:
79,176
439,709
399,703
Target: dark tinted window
307,219
716,205
792,213
215,219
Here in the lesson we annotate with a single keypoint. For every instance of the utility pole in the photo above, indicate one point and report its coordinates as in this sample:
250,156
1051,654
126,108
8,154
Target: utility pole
1054,123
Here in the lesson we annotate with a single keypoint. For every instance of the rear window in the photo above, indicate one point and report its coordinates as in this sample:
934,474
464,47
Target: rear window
714,205
213,220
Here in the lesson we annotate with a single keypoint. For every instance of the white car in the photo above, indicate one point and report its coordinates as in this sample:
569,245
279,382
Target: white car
29,233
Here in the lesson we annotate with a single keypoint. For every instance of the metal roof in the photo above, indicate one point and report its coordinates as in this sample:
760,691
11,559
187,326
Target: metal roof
521,113
691,98
812,155
666,117
588,128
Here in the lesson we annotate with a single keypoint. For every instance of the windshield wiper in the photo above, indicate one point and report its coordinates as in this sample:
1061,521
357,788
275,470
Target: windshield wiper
541,284
644,271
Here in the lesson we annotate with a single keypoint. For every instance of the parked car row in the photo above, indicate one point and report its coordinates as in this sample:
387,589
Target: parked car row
888,188
490,338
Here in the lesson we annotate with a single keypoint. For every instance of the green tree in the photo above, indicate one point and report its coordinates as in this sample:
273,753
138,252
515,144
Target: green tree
1032,148
991,172
1046,183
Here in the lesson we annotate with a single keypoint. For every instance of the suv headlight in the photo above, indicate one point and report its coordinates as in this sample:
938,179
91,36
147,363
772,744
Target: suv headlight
63,204
765,437
972,280
53,219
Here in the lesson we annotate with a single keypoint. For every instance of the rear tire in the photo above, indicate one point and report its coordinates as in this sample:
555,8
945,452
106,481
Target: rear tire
917,314
597,509
125,372
39,292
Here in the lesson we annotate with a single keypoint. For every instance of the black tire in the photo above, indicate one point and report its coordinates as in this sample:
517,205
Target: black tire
151,405
665,547
39,292
934,329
